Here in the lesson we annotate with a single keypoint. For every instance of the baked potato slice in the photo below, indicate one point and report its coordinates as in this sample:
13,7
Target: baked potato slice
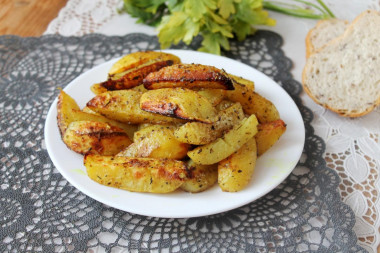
235,172
223,147
136,59
201,177
68,111
254,103
90,137
190,76
66,106
198,133
180,103
156,141
136,174
130,70
268,134
123,106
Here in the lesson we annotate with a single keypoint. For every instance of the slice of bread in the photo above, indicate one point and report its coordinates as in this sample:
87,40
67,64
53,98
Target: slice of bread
324,31
344,75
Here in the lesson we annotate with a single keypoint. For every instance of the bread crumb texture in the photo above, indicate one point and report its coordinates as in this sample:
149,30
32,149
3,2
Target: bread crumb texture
344,75
325,31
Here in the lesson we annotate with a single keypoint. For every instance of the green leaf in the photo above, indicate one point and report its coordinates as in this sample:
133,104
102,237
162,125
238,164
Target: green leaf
171,30
195,9
212,43
226,8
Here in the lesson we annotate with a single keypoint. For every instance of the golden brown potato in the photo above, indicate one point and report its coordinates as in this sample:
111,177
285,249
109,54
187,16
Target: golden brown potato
156,141
136,174
235,172
180,103
66,106
215,96
198,133
253,103
237,80
88,110
130,70
89,137
223,147
224,104
136,59
268,134
201,177
98,88
191,76
123,106
68,111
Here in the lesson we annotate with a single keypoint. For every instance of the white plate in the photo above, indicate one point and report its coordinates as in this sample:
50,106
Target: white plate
271,169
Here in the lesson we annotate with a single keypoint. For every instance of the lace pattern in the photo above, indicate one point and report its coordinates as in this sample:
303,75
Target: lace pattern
42,212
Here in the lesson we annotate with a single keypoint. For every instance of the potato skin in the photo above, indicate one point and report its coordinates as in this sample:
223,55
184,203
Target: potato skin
136,174
223,147
268,134
131,69
156,141
123,106
191,76
235,172
201,177
89,137
136,59
131,78
180,103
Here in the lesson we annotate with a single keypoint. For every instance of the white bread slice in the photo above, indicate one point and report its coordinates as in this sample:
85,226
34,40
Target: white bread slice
323,32
344,75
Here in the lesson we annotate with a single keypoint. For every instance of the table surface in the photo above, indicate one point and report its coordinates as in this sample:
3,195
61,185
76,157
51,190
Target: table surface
28,17
32,18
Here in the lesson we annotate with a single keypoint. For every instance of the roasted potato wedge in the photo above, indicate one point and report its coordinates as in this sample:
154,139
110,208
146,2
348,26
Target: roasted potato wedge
89,137
123,106
235,172
253,103
68,111
136,174
136,59
223,147
66,108
130,70
180,103
201,177
198,133
268,134
191,76
156,141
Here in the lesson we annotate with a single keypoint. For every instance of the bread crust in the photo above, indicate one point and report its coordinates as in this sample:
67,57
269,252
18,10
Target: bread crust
306,71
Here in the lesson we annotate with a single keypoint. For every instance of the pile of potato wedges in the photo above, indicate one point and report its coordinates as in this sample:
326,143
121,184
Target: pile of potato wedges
157,125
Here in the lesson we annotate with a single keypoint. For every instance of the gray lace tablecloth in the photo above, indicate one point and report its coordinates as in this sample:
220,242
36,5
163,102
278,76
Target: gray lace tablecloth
41,212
